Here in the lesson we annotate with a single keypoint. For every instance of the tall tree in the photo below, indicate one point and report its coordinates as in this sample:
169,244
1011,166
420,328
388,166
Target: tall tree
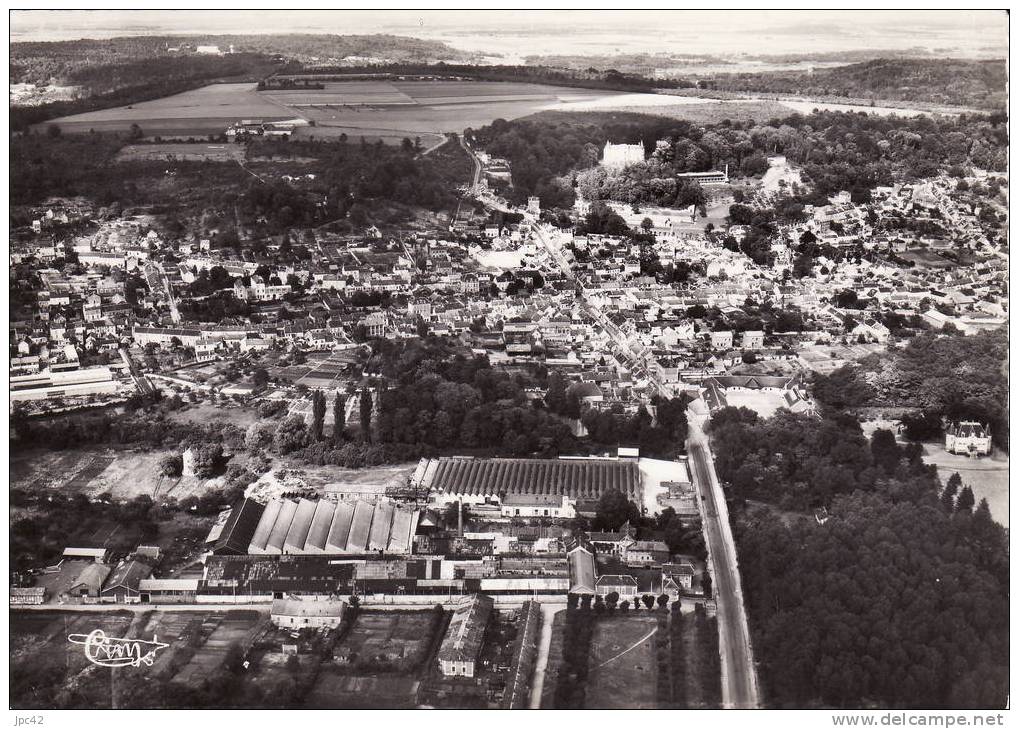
949,493
339,417
966,500
366,415
318,414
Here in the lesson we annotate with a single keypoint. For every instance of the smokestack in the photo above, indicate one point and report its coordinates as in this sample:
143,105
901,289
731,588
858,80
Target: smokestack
460,517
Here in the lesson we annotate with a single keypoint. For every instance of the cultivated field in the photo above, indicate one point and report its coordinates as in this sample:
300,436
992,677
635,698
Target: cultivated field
181,151
622,670
200,111
396,641
197,642
373,109
379,662
238,627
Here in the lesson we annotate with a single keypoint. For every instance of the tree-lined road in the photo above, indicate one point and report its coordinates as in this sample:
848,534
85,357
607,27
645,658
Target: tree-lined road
739,678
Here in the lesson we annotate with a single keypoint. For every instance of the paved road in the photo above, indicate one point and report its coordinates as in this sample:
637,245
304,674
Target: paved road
476,180
141,382
739,680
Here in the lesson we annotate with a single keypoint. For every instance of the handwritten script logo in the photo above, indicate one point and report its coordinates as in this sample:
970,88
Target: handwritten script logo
105,651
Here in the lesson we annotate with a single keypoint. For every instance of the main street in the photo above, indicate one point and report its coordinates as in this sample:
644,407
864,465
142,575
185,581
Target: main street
739,677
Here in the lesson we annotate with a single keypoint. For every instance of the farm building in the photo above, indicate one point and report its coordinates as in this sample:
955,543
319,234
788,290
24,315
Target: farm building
28,595
461,647
560,482
294,613
327,527
89,583
96,553
122,586
167,590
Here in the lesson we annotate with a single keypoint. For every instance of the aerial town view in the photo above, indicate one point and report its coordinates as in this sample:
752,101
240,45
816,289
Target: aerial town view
509,360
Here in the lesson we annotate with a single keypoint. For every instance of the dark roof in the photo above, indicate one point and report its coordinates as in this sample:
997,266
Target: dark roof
463,640
277,573
239,528
576,478
128,575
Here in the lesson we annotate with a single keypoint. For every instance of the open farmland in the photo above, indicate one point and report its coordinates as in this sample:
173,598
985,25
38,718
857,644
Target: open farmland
181,152
373,109
200,111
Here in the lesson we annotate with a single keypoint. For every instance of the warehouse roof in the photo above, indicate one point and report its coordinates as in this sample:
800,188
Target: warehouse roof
340,528
278,535
297,533
466,629
320,526
582,571
577,478
265,525
128,575
239,528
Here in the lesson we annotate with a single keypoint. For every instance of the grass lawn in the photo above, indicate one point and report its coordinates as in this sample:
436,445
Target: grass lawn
623,668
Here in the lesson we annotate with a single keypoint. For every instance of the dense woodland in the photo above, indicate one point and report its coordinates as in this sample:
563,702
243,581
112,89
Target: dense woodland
940,376
899,599
352,179
978,84
836,150
890,603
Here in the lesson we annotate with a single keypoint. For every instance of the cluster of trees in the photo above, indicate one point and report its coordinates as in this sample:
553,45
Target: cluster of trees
349,173
650,183
614,510
893,604
896,600
696,666
142,428
950,376
836,150
48,523
799,462
953,81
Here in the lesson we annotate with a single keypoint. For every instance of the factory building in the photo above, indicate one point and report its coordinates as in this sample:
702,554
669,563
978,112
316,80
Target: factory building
461,647
509,481
284,526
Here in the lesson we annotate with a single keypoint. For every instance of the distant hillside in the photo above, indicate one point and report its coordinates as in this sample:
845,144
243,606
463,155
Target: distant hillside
979,84
65,61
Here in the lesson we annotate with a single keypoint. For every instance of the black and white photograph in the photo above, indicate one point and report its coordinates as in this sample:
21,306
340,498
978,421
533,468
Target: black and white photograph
509,359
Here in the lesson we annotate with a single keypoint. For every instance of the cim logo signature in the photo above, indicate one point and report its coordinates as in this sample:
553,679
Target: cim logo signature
113,652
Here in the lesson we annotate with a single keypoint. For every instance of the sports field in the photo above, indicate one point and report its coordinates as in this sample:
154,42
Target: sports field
622,669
